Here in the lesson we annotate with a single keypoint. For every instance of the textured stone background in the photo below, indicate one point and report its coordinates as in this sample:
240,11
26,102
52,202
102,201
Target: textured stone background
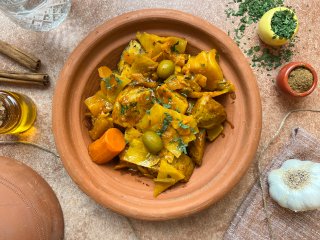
84,219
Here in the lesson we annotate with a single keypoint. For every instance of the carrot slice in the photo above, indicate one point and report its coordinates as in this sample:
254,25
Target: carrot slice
107,147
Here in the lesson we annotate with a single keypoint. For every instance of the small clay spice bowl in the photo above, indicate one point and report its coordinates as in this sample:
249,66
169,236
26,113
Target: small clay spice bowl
297,79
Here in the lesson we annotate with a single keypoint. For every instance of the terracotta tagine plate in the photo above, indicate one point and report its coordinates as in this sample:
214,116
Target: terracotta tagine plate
225,161
29,209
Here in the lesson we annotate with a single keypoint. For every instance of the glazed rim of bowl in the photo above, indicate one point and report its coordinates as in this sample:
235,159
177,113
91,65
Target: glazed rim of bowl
68,126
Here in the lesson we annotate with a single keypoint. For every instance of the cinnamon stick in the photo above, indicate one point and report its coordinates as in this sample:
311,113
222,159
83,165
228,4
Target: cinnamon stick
20,56
24,78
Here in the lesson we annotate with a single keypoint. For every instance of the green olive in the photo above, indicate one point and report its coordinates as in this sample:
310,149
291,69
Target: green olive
152,142
165,69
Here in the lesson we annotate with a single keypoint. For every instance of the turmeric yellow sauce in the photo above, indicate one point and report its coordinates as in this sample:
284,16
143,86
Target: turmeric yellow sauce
162,99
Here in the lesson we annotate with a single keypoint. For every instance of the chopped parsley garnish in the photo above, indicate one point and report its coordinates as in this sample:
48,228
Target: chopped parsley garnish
182,125
165,124
123,109
184,94
166,105
118,80
193,131
181,145
155,100
217,57
107,81
174,47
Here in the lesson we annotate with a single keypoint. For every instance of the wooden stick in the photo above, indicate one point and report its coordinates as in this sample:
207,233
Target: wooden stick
25,78
20,56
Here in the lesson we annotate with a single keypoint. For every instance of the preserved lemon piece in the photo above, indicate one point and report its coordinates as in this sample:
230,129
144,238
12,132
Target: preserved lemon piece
206,63
167,176
197,147
111,86
98,104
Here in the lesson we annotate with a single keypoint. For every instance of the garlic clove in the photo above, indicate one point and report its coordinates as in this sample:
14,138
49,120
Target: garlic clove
296,185
296,202
316,170
279,192
311,198
281,199
291,163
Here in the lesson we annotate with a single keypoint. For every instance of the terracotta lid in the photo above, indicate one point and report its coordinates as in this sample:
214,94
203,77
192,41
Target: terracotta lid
29,209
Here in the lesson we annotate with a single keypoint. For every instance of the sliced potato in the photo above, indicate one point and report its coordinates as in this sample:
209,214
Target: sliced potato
185,165
197,147
208,112
206,63
214,132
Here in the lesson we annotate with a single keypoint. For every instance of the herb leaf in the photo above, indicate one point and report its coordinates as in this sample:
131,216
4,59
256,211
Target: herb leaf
181,145
174,47
182,125
107,81
283,24
165,124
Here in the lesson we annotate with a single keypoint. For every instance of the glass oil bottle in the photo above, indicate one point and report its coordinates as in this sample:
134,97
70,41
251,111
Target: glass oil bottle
17,112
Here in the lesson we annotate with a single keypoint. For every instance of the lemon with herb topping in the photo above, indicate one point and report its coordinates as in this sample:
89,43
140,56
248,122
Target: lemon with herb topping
267,29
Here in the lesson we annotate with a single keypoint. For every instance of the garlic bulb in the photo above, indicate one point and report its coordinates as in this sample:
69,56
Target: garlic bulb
296,185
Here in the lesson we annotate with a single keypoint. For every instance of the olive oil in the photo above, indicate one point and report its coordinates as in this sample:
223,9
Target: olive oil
18,112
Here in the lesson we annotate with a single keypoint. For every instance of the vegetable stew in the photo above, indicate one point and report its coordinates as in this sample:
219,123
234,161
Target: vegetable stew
162,100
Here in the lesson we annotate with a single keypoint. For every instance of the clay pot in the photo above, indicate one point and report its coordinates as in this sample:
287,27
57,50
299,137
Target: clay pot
29,208
225,160
283,76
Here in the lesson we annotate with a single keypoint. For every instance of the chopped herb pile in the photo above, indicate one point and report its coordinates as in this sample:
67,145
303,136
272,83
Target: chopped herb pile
248,12
270,58
283,24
